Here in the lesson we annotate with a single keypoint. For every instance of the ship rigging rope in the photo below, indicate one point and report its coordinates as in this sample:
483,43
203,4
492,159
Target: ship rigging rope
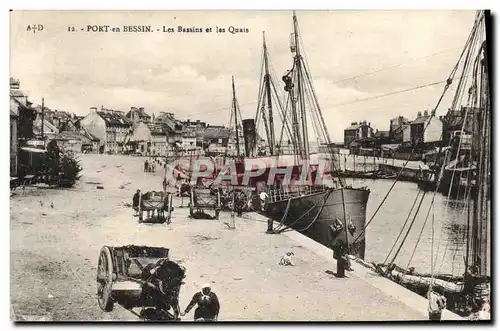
433,263
471,96
403,227
433,113
259,96
422,230
283,115
409,228
444,255
323,201
427,217
310,85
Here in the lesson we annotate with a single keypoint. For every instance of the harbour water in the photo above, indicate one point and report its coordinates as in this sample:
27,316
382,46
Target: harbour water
450,222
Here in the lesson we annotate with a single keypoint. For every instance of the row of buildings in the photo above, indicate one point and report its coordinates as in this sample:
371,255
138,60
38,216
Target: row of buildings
110,131
138,132
423,131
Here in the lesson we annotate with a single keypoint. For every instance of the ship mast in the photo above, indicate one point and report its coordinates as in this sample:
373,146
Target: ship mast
305,91
234,113
265,108
300,90
267,82
480,226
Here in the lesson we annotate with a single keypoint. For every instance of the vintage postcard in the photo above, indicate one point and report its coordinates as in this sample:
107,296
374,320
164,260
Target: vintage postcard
215,166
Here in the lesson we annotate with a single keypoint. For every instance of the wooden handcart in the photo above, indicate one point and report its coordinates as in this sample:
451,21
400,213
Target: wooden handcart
139,277
204,199
157,205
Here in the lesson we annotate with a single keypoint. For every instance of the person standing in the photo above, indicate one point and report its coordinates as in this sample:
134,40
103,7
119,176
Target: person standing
437,303
135,201
263,200
340,255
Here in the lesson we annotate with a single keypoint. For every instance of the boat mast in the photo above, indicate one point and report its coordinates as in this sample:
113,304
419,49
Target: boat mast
483,170
300,92
235,113
267,82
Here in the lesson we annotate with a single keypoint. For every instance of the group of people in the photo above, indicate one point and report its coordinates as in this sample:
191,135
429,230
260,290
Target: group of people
150,166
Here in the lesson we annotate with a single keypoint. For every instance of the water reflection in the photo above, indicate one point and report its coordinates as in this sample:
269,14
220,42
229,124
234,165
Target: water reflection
447,223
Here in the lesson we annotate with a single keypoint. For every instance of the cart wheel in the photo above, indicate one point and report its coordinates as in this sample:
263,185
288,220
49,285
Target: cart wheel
105,279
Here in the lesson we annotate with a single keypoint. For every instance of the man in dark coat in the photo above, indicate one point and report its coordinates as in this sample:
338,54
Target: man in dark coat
208,305
135,200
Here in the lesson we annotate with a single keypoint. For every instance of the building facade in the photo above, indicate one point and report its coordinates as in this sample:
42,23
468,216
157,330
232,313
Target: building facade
111,127
426,129
356,131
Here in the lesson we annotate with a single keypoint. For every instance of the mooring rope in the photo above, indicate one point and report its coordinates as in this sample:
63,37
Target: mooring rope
284,216
319,212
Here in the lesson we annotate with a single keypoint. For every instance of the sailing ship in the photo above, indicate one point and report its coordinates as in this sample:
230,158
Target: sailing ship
468,291
331,213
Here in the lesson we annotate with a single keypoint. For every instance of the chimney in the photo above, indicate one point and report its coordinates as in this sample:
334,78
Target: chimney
419,114
426,113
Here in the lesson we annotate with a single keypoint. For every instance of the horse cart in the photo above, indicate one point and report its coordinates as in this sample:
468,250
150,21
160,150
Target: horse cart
141,278
157,205
202,199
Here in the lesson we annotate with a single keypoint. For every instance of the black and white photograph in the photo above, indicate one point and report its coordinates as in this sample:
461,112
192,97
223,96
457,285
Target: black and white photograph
212,166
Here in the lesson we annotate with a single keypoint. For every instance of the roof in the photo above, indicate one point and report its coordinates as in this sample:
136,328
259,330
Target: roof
353,127
381,133
114,119
401,128
22,102
71,135
139,112
157,129
89,135
420,120
356,126
16,93
214,132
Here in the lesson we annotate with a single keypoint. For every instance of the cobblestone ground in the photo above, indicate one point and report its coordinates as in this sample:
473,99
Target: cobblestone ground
54,256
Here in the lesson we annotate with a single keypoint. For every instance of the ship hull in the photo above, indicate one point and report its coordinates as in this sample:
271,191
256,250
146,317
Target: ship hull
322,209
451,183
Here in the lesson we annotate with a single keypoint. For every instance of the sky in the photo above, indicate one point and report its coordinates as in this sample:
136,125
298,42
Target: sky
189,74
